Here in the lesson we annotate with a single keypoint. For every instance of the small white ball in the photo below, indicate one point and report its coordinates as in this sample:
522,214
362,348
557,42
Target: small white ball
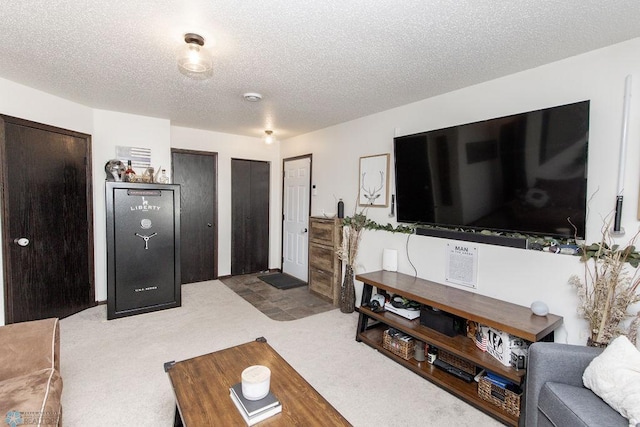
539,308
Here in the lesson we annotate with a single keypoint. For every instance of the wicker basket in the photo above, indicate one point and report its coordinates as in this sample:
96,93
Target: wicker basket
397,346
458,362
506,399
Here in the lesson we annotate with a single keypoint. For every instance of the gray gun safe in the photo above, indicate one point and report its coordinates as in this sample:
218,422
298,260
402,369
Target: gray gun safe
143,248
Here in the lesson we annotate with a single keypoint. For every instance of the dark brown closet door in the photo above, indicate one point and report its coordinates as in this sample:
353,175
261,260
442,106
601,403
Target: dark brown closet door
249,216
47,229
196,172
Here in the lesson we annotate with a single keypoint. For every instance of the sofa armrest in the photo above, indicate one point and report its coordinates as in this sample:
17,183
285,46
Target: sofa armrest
560,363
28,347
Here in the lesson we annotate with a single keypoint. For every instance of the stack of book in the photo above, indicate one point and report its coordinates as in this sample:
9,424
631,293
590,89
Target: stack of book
502,382
254,411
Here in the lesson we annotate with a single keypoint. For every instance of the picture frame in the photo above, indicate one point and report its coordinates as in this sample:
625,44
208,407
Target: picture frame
373,188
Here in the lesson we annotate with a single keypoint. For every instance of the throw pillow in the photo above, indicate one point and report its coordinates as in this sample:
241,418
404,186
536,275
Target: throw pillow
614,375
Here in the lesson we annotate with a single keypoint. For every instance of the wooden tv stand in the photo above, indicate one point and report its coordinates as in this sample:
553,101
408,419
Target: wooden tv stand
511,318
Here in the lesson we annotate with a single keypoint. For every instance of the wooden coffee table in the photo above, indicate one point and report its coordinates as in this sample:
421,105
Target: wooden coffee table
201,386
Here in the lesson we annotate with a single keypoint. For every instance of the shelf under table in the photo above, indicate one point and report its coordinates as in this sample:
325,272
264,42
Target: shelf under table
459,345
460,388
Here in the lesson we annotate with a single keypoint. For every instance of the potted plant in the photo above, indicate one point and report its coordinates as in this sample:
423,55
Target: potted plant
351,234
609,289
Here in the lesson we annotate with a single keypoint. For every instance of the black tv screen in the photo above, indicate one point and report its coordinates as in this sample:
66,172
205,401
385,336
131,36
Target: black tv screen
524,173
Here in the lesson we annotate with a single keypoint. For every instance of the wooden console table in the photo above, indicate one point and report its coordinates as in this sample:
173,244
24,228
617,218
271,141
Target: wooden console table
511,318
201,386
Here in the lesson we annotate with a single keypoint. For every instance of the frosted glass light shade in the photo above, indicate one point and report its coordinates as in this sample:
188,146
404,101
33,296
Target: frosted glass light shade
269,138
193,59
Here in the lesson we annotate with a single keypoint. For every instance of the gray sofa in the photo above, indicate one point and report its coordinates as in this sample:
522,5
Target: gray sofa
555,395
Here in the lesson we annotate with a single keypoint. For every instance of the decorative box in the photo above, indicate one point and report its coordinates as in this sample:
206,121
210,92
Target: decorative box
458,362
499,396
501,344
400,345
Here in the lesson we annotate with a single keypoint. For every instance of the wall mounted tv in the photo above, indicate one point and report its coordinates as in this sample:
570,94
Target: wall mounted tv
525,173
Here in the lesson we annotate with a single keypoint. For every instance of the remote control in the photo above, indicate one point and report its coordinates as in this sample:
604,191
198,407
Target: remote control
453,370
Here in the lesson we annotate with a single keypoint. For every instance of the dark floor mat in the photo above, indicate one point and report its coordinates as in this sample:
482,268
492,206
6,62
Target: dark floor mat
282,281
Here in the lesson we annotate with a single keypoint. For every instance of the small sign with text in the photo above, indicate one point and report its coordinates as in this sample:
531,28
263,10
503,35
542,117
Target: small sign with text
462,264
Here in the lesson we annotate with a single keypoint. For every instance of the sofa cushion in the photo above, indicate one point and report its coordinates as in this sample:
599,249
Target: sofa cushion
615,376
28,347
34,398
567,405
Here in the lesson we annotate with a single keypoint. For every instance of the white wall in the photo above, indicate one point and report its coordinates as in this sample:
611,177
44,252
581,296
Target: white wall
111,129
516,275
238,147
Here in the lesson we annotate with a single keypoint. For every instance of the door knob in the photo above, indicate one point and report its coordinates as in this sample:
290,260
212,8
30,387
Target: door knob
304,230
22,241
209,225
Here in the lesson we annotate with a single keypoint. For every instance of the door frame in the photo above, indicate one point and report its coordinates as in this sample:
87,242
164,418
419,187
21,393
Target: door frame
6,238
213,154
289,159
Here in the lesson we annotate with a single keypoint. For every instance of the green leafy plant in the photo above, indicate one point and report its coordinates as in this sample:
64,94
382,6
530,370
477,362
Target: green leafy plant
372,225
601,250
352,233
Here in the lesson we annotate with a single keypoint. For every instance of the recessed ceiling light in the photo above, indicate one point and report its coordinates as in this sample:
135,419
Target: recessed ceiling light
252,97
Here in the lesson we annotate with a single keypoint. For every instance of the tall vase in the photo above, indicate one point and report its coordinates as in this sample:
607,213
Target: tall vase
348,291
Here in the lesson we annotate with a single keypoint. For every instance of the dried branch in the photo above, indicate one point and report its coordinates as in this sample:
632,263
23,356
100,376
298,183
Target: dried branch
609,288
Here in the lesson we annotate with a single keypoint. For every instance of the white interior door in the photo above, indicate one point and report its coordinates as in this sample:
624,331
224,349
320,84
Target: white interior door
295,245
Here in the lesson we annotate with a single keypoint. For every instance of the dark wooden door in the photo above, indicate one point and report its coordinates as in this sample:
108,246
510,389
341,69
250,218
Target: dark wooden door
196,172
249,216
48,226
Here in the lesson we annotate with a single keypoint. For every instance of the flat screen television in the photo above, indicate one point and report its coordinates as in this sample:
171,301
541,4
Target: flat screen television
525,173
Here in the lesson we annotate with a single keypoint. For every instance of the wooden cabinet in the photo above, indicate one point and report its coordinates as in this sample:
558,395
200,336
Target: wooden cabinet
325,268
511,318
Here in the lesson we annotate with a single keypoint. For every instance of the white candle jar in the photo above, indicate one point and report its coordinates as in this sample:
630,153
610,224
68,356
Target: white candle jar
256,380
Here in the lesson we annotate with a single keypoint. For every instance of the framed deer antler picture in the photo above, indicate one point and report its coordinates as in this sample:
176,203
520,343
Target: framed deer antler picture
374,181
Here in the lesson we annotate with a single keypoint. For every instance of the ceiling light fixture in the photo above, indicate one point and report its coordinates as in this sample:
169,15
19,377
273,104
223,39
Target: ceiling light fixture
252,97
193,60
269,138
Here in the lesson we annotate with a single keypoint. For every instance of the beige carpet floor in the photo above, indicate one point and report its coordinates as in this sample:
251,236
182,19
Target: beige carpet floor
113,370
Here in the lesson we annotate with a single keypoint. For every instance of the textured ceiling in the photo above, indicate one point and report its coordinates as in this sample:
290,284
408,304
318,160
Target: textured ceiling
316,63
